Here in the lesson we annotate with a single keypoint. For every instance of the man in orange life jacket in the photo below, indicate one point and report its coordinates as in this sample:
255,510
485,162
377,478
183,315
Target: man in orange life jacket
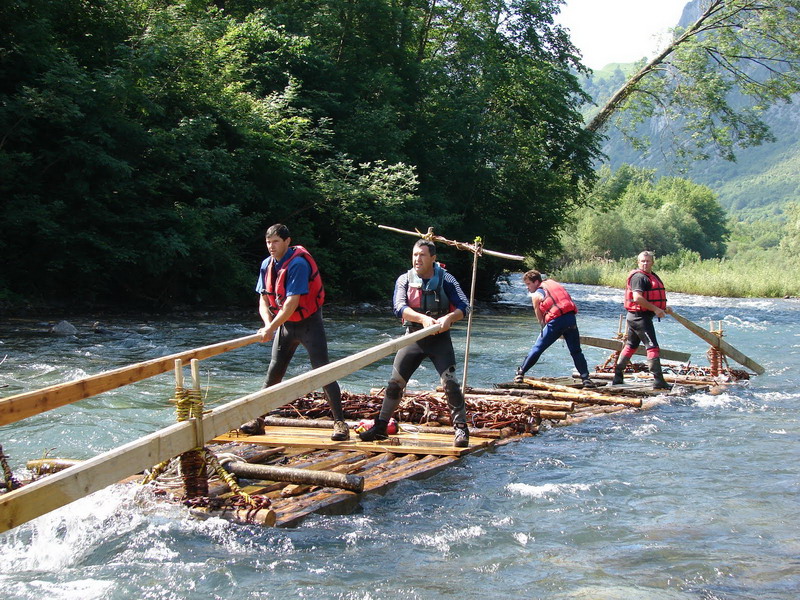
291,298
645,298
424,296
556,312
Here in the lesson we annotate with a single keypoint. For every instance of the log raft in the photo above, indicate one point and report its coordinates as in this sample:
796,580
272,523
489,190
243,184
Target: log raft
303,472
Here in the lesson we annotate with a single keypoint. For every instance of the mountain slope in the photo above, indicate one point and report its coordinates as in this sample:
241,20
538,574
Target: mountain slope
758,184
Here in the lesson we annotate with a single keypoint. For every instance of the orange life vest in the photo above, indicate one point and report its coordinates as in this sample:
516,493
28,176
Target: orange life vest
275,287
556,301
656,294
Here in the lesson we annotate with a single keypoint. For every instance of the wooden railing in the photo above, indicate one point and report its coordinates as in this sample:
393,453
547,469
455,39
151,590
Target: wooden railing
54,491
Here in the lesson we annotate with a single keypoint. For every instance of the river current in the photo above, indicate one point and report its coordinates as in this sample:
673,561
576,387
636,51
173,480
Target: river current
694,498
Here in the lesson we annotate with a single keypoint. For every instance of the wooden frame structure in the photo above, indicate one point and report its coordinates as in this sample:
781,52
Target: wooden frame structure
44,495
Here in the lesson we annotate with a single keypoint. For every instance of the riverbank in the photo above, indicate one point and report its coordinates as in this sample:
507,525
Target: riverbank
687,274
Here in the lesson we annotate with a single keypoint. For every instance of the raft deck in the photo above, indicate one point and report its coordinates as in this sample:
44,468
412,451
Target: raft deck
416,451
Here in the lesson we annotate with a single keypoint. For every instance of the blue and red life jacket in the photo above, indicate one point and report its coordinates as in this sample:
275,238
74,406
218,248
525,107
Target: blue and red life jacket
275,287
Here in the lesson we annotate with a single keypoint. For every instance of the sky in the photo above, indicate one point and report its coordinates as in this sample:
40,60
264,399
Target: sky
607,31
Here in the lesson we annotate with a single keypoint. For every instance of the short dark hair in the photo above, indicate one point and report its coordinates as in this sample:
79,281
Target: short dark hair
282,231
427,244
532,275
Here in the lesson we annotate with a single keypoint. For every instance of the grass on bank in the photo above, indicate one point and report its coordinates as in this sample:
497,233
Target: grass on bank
740,277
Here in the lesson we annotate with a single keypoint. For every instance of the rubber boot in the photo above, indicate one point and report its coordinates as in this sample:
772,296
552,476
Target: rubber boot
376,432
658,376
619,370
461,437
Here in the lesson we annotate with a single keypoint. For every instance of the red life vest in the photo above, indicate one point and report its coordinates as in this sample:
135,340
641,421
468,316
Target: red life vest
656,294
275,289
556,301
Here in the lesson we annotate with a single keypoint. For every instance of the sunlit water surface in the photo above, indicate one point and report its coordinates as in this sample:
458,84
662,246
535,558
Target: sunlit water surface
696,497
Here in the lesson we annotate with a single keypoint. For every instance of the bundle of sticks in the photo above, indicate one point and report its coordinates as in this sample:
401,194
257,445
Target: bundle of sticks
423,408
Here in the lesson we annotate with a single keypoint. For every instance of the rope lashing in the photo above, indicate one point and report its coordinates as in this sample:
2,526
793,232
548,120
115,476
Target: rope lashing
195,463
8,475
228,478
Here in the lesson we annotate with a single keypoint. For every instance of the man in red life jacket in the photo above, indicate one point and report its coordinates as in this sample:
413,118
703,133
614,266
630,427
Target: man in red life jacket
645,298
555,312
291,298
424,296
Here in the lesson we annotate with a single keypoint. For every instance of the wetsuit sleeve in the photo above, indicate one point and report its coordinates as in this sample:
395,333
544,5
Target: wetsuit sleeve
640,283
400,297
456,294
297,277
261,276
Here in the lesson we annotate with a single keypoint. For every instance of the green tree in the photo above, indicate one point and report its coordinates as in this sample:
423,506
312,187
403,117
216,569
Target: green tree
717,76
790,242
630,212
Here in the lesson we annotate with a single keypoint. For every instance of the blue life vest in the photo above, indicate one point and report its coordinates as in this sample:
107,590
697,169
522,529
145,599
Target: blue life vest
428,297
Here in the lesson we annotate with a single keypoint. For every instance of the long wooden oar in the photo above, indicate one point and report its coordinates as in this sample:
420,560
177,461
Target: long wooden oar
617,346
720,344
21,406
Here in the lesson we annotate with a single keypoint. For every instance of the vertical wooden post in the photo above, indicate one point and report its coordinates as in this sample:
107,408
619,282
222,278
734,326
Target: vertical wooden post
190,407
475,255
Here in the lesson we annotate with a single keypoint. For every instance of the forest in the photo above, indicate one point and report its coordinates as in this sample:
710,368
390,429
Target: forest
146,145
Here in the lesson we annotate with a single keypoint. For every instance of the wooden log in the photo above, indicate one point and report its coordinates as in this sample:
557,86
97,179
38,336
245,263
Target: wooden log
28,404
588,397
460,245
552,415
718,343
644,376
616,345
262,516
531,397
354,483
44,466
49,493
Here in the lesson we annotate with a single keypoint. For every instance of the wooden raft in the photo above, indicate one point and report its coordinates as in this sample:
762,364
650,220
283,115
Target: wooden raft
406,455
414,452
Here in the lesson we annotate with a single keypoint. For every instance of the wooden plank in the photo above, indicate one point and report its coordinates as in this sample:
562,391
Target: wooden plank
54,491
616,345
407,471
718,343
20,406
407,443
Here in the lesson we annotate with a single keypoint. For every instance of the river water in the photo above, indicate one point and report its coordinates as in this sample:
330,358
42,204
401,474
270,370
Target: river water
696,497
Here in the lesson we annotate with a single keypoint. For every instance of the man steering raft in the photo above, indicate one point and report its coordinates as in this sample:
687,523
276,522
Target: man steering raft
645,298
291,297
424,296
555,311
